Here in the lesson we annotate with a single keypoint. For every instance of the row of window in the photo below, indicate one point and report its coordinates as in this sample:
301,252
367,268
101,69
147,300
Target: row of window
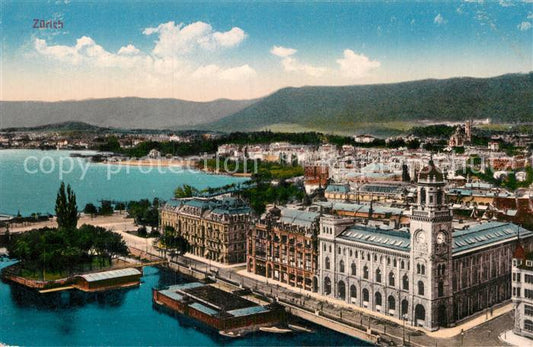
368,256
528,310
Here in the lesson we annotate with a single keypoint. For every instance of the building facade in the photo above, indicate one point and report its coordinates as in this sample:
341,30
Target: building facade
216,229
282,247
431,275
523,292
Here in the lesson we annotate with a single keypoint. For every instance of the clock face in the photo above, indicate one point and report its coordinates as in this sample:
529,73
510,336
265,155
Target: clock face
421,237
441,238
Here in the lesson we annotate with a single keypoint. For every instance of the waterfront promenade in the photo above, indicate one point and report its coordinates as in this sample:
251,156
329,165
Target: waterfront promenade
481,330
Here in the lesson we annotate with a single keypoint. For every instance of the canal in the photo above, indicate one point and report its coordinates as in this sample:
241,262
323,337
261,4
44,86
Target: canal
123,317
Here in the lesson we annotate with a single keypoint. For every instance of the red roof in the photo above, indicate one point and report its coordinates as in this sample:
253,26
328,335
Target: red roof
519,252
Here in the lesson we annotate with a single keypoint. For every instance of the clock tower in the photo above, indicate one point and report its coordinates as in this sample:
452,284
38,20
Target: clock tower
431,251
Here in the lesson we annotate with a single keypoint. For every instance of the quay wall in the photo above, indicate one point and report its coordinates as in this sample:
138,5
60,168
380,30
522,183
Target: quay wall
331,324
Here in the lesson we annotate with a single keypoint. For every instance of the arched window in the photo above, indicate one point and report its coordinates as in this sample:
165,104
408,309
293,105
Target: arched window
353,292
365,295
327,285
420,312
378,299
402,265
341,266
391,279
420,288
354,269
405,281
378,275
327,263
422,196
392,303
441,289
418,268
365,272
423,267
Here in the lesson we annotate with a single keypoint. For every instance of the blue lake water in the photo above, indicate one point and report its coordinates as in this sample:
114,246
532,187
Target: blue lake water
29,180
123,318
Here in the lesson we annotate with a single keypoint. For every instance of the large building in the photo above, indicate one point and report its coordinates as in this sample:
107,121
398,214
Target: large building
215,228
282,246
523,292
431,275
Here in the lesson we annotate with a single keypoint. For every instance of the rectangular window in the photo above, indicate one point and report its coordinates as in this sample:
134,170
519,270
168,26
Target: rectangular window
528,278
528,293
528,310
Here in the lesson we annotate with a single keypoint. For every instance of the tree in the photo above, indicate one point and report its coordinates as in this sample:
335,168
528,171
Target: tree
66,208
185,191
90,209
106,208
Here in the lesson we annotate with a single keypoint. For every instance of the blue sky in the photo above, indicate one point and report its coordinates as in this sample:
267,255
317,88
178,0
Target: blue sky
242,49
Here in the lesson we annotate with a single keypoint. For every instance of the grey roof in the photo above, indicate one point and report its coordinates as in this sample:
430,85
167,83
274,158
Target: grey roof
338,188
100,276
362,208
298,217
226,205
172,294
381,188
247,311
203,308
486,234
396,240
481,235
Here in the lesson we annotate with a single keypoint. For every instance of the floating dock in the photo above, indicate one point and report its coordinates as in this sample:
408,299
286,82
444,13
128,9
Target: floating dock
221,310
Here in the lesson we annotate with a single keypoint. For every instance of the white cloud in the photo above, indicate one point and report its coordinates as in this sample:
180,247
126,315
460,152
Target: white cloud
166,60
282,51
234,74
86,51
355,65
128,50
439,20
524,26
179,39
291,64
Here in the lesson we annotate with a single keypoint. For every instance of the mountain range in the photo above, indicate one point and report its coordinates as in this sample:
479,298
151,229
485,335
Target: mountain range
346,109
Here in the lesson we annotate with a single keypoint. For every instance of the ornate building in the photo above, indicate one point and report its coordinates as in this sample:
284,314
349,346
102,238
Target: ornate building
431,275
215,228
282,246
523,292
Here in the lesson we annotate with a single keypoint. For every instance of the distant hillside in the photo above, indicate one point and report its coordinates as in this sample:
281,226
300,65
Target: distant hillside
64,126
132,113
507,98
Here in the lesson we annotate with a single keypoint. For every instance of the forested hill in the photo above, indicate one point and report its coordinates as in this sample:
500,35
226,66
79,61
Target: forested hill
503,99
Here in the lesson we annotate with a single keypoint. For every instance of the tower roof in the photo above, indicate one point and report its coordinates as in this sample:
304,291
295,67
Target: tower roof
430,173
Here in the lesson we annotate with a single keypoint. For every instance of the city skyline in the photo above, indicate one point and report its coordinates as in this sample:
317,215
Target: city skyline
248,50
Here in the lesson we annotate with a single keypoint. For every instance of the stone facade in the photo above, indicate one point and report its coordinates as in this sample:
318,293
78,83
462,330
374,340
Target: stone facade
216,229
282,246
430,275
523,292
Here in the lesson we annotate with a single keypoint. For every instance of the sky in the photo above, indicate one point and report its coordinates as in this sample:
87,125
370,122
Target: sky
208,50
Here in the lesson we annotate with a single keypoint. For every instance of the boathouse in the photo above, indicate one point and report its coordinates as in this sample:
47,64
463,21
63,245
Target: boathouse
108,280
217,308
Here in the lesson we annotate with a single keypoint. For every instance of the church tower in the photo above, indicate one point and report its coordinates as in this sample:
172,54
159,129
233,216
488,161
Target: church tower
431,251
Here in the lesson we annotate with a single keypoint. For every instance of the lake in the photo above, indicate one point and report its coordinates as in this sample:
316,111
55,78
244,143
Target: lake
29,180
124,317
